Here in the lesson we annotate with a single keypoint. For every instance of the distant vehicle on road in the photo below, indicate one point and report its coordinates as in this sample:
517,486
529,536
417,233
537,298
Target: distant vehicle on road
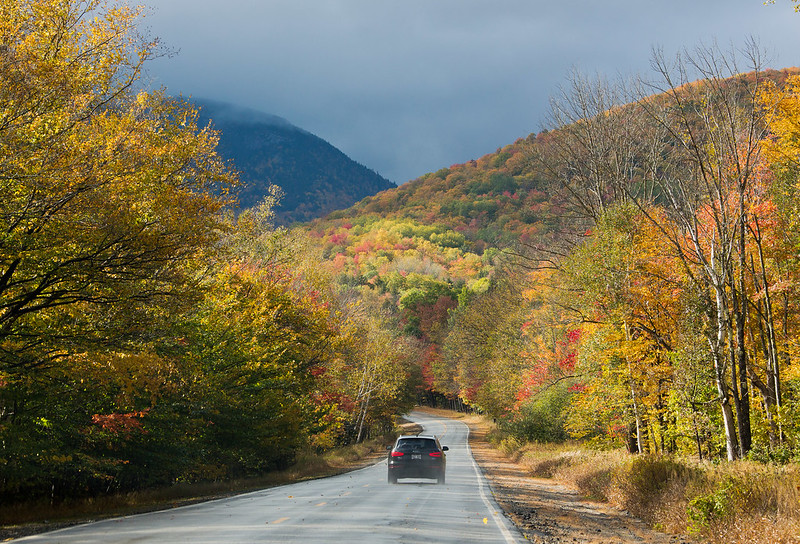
417,456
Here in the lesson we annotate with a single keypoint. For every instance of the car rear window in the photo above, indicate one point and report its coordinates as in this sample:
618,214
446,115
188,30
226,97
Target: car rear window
416,444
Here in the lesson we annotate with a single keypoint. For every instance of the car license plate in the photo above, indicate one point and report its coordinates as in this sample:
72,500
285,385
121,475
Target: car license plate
416,456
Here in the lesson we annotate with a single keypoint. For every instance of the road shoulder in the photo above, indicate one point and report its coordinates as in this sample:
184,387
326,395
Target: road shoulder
547,512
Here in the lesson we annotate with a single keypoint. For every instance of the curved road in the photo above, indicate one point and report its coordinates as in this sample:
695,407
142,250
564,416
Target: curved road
359,506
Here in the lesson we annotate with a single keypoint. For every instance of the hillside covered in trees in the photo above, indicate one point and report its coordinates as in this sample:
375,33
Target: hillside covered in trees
624,278
314,177
628,277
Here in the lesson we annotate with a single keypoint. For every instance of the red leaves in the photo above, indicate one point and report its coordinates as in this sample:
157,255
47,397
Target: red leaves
544,372
469,391
119,423
531,382
432,317
430,356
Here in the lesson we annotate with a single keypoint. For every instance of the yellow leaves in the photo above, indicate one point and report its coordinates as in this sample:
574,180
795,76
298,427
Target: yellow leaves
44,422
784,123
108,194
51,39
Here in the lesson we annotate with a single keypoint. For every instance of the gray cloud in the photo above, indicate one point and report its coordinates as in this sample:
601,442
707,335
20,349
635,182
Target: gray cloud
409,86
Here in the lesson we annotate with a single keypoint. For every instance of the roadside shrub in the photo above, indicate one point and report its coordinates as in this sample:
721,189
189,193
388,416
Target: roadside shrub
592,472
596,481
711,507
645,480
542,418
511,447
547,466
726,502
780,455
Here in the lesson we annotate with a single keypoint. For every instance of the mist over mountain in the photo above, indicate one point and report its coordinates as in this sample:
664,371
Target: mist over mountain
316,177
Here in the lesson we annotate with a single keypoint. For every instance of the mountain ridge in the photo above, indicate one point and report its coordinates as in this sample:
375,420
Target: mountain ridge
316,177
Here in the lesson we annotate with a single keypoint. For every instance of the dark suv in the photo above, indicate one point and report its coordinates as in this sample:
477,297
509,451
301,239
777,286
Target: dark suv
417,457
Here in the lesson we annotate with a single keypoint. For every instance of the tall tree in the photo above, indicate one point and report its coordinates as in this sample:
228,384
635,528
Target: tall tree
716,126
690,144
108,211
107,193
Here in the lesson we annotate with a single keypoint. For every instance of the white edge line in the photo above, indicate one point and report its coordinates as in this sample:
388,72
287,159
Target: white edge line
499,519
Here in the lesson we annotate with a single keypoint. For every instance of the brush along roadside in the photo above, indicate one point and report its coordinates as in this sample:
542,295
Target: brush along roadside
558,493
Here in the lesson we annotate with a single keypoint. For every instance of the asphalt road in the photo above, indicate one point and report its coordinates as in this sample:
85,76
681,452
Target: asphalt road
356,507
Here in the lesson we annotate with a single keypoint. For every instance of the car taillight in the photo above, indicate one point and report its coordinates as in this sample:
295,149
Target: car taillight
435,454
397,454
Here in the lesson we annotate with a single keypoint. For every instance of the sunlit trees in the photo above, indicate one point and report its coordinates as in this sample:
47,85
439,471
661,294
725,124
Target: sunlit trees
482,360
370,374
684,156
148,335
716,126
629,298
107,194
109,207
775,266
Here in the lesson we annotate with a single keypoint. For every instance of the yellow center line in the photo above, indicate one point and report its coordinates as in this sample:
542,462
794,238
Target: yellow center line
322,504
277,521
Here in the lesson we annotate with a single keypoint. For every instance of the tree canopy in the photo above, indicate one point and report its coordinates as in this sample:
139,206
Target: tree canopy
147,334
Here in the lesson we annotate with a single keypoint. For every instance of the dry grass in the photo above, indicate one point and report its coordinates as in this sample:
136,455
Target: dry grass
746,502
728,503
741,502
752,529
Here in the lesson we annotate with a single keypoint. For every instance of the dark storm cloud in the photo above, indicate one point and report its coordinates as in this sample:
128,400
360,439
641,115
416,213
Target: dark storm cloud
410,86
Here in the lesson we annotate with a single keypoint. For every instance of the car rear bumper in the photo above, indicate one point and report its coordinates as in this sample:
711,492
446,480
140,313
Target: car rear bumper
416,471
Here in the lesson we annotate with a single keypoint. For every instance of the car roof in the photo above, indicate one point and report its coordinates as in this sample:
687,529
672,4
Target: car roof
428,436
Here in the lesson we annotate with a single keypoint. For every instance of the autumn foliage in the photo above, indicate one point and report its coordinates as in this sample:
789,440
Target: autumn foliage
625,277
148,336
628,277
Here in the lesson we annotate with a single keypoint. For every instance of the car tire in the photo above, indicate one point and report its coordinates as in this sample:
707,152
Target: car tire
440,479
392,478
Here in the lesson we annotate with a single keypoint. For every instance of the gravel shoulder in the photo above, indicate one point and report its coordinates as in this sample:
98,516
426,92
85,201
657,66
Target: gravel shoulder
547,512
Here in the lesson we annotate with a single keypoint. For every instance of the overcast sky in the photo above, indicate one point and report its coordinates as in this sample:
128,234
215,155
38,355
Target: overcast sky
407,87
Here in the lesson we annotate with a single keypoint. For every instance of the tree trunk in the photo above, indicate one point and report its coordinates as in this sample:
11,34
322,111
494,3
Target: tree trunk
773,364
723,390
363,416
743,399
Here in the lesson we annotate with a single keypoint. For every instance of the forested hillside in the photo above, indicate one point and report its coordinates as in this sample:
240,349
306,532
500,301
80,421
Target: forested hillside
628,277
315,178
625,277
492,201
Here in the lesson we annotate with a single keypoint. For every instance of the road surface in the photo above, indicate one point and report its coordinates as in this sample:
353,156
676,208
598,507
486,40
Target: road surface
356,507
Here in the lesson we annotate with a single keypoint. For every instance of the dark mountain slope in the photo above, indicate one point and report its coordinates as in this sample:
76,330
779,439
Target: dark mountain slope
316,177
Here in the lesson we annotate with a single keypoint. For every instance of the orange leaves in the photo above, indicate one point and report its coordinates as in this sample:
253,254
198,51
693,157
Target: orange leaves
119,423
